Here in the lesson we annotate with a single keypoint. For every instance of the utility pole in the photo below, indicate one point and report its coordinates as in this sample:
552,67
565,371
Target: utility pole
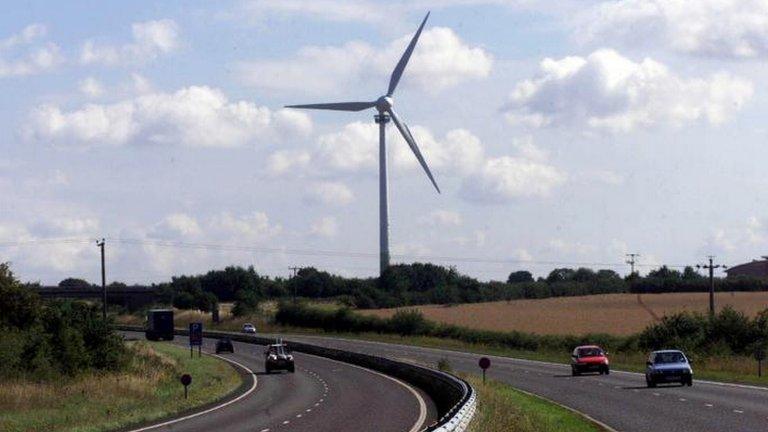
631,259
711,267
295,270
100,244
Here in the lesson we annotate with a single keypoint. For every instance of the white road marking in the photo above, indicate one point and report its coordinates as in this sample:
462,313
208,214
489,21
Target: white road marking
286,422
656,394
209,410
738,411
298,415
681,400
422,404
708,405
309,409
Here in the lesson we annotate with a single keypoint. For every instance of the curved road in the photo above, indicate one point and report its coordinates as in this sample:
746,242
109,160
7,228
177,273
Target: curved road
322,395
619,400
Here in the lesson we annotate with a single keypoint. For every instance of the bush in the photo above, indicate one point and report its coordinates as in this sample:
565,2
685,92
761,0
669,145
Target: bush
409,322
61,337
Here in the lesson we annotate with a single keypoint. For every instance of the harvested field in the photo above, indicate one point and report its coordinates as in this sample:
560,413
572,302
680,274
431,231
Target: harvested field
619,314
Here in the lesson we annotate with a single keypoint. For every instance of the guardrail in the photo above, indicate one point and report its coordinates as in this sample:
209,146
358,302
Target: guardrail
454,398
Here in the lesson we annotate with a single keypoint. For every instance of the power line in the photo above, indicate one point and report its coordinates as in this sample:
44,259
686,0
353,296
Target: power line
330,253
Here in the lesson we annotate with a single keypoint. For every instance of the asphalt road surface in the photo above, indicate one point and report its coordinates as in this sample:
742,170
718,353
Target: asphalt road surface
322,395
620,400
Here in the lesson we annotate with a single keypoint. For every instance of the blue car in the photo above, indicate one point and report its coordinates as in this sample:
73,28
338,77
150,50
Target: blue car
668,366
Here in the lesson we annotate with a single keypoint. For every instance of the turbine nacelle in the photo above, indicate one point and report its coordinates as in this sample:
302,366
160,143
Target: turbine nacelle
384,104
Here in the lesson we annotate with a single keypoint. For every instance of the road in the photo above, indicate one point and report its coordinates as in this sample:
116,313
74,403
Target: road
322,395
620,400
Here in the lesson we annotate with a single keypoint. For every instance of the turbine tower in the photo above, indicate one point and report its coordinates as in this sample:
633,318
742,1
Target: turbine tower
384,106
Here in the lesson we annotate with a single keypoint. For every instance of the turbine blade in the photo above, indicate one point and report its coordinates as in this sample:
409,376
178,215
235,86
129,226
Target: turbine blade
398,72
338,106
415,148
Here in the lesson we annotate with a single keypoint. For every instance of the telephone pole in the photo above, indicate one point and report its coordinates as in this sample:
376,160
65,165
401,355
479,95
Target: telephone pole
295,270
631,259
100,244
711,267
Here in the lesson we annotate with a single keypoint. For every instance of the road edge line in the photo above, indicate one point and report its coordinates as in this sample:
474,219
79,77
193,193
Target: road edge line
215,408
573,410
422,403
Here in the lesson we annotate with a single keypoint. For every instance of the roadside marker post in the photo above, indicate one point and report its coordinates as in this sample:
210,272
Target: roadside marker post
484,364
759,356
186,380
195,338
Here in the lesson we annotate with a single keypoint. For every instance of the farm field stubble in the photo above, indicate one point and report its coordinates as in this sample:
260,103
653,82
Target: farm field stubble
618,314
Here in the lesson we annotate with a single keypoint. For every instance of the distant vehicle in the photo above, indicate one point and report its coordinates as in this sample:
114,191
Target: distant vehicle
224,345
249,328
589,358
159,324
668,366
278,357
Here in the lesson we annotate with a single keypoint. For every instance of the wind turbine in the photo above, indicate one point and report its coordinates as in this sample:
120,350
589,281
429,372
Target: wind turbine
384,106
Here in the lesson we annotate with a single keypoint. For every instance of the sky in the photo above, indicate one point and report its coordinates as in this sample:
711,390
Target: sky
562,134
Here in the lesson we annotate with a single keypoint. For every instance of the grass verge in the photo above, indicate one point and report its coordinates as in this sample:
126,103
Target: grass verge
148,390
501,408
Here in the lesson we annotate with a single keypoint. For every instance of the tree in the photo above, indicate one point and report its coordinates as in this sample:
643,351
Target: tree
561,275
74,284
246,303
689,274
520,276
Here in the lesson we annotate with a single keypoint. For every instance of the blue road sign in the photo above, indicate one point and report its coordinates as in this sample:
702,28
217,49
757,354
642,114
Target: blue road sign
195,334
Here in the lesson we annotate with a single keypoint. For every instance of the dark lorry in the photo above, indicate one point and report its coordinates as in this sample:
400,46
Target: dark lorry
159,324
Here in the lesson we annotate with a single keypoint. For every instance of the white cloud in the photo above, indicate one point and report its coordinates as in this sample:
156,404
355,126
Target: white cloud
330,10
608,91
330,193
324,227
193,116
459,154
441,60
720,28
442,219
19,58
26,36
150,40
252,227
571,247
287,161
91,87
505,178
355,148
176,226
71,255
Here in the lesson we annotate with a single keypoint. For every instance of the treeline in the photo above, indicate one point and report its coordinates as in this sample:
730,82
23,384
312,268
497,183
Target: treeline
45,340
416,284
728,332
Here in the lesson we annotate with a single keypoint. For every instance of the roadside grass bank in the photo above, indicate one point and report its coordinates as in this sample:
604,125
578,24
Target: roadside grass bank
148,389
502,408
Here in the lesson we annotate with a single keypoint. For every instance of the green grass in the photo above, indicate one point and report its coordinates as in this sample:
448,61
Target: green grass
149,390
501,408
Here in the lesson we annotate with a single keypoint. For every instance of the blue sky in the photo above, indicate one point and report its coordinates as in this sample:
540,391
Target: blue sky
560,134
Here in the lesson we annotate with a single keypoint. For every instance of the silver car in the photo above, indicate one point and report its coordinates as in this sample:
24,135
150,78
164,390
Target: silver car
668,366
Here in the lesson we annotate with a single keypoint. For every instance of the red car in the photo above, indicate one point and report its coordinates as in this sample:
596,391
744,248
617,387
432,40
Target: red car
589,358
